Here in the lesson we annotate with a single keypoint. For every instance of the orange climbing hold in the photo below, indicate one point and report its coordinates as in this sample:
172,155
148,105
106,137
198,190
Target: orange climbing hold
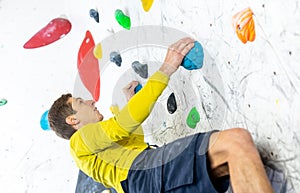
147,4
243,24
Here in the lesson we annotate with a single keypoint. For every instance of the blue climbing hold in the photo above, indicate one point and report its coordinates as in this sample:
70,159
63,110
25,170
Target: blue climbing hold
138,88
94,14
44,121
116,58
194,58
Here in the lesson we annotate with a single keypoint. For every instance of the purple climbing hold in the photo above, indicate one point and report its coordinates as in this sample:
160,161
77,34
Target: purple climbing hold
140,69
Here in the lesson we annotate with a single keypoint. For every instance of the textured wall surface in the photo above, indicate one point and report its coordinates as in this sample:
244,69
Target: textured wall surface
254,85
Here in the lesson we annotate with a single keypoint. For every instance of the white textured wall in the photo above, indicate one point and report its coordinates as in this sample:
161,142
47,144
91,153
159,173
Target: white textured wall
261,80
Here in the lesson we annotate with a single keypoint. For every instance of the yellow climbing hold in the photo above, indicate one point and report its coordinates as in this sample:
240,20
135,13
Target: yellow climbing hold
147,4
98,51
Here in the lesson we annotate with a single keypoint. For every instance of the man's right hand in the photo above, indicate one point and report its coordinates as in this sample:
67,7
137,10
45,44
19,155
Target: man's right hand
175,55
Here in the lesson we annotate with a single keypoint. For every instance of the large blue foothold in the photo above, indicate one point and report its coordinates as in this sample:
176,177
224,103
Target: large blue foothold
44,121
194,58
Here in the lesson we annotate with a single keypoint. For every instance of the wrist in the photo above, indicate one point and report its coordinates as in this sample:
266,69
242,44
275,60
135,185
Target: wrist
167,69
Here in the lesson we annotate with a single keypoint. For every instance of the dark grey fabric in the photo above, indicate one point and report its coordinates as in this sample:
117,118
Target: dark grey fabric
86,184
178,167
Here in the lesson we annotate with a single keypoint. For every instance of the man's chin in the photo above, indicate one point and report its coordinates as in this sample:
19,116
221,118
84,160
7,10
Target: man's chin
100,117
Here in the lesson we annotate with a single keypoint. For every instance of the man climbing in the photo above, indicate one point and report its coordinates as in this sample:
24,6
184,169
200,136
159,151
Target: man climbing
113,151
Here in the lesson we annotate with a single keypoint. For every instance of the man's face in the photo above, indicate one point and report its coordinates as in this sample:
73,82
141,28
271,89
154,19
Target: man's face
86,112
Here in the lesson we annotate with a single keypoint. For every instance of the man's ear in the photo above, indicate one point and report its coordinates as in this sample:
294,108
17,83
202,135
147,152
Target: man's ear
71,120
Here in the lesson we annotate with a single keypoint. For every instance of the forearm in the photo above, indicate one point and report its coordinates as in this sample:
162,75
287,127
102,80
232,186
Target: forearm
141,104
167,69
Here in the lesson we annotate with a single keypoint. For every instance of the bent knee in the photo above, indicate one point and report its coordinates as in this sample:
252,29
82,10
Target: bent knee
241,135
230,144
239,139
235,138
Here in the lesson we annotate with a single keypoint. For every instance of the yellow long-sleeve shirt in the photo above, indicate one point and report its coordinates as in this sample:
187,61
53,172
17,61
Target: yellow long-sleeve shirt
106,150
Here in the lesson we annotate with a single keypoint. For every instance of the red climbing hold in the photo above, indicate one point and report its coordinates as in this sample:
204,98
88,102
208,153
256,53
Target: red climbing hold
87,44
88,66
53,31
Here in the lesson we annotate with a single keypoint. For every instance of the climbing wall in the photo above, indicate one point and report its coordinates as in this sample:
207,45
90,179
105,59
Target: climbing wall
250,77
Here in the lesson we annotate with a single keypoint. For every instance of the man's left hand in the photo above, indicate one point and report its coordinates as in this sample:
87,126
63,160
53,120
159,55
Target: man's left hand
128,90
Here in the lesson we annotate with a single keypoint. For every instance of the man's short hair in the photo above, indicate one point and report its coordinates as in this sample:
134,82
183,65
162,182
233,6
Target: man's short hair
57,115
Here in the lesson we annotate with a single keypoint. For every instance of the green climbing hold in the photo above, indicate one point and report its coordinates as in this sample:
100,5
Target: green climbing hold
193,118
122,19
3,102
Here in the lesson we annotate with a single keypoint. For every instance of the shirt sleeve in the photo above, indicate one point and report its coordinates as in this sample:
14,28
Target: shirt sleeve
140,105
88,162
101,135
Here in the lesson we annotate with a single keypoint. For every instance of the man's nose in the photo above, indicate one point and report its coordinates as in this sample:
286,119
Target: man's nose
90,102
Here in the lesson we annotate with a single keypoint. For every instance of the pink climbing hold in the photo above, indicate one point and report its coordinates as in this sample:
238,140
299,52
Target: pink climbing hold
53,31
88,66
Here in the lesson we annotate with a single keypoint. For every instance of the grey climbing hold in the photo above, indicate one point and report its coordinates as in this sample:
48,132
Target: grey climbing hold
171,104
140,69
116,58
94,14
